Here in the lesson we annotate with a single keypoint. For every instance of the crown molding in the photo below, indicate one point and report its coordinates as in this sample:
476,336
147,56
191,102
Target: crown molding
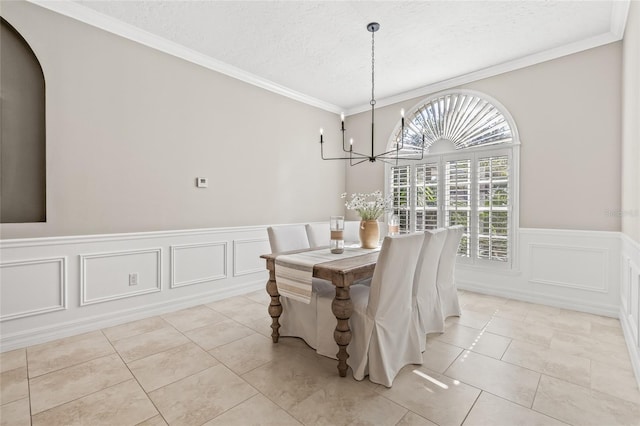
91,17
619,12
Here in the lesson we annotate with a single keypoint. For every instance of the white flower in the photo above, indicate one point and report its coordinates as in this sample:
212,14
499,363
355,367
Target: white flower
369,209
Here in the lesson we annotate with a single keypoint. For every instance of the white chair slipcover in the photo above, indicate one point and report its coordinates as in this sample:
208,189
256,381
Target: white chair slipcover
424,286
319,234
298,319
447,290
384,322
351,231
288,237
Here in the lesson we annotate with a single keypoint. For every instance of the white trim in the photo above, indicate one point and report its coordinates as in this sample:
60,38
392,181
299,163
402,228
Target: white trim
62,261
619,12
174,248
83,275
115,26
236,243
102,238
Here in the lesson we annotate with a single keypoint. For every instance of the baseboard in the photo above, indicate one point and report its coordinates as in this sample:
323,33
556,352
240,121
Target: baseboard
554,300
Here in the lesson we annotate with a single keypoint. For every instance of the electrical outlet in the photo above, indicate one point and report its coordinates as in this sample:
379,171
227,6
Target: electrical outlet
133,278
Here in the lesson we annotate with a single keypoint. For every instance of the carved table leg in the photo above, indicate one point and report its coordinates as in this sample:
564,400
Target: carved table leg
342,308
275,308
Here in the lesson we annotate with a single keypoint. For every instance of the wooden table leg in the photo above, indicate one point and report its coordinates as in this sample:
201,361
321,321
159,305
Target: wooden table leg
342,308
275,308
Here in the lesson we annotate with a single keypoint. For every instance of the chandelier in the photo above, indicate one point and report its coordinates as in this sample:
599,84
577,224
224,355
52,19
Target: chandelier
388,156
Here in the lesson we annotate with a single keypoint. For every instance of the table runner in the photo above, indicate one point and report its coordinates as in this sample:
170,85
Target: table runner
294,272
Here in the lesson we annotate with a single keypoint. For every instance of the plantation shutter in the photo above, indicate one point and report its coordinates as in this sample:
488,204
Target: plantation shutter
401,192
426,207
457,202
493,208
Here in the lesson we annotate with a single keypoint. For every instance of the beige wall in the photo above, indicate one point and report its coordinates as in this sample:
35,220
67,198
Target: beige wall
631,125
130,128
568,115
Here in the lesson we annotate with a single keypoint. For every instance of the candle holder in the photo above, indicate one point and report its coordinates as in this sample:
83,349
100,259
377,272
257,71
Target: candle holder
336,224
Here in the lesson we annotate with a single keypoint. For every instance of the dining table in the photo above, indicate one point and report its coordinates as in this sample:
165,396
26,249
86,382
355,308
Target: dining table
342,273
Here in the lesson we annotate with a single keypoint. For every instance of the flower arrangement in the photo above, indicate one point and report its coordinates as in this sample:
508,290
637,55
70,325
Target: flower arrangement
369,206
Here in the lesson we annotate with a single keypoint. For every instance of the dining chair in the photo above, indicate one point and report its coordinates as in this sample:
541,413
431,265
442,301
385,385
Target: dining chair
298,319
319,234
287,237
425,288
447,290
351,231
384,322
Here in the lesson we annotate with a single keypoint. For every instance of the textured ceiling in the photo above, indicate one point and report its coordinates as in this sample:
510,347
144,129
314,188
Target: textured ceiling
323,50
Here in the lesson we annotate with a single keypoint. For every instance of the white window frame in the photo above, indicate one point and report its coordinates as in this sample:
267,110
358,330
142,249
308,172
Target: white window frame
511,150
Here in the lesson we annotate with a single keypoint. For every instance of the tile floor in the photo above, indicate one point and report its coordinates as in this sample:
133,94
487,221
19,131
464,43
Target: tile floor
503,362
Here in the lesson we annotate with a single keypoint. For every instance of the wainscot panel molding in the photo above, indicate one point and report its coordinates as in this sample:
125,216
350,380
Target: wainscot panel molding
105,276
246,255
39,284
198,263
630,300
56,287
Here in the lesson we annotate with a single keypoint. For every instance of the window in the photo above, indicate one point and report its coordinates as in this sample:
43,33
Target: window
468,175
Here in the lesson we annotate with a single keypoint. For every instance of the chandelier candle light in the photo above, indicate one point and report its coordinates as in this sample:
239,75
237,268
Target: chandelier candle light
388,156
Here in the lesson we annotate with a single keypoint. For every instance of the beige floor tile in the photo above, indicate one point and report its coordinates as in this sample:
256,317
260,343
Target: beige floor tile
438,356
437,398
578,405
592,348
13,359
257,410
262,326
188,319
218,334
202,396
607,333
479,341
618,382
490,410
501,310
568,321
506,380
241,309
169,366
230,305
344,401
153,342
134,328
412,419
471,319
572,368
123,404
66,352
518,330
247,353
153,421
289,379
61,386
16,413
14,385
259,296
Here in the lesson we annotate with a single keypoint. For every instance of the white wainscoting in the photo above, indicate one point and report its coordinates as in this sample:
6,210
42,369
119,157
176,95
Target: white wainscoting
61,286
569,269
630,300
